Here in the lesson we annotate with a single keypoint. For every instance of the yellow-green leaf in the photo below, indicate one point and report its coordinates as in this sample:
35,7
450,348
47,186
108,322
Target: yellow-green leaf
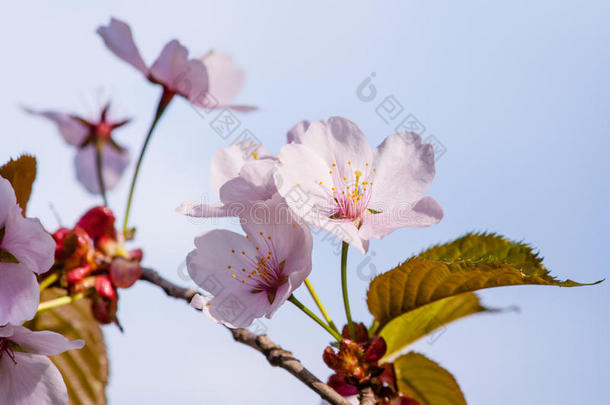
85,371
407,328
418,282
488,247
21,173
424,380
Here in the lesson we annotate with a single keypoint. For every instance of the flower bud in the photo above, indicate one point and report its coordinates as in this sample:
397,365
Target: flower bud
104,310
77,274
98,222
104,287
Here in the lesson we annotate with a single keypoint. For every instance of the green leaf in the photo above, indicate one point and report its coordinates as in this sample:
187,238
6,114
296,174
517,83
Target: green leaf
7,257
85,370
470,263
21,173
411,326
424,380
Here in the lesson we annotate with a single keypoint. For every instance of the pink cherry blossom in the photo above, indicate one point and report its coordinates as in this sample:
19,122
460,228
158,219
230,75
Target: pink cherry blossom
212,81
25,249
239,174
251,276
333,179
84,134
27,375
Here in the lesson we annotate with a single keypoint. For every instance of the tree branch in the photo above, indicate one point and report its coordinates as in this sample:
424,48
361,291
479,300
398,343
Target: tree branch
275,355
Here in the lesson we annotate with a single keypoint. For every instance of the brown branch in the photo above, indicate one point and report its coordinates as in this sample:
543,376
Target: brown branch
275,355
367,396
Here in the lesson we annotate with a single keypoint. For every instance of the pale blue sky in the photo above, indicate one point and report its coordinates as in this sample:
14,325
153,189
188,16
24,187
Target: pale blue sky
516,91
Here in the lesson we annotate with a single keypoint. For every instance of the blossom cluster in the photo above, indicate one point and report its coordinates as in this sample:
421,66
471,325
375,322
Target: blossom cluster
326,176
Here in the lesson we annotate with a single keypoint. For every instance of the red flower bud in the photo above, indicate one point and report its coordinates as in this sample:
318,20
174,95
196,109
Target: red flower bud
375,350
77,274
123,272
104,310
338,383
98,222
104,287
72,245
361,333
136,254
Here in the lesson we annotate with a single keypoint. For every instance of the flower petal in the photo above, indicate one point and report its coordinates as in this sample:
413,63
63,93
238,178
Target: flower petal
227,162
118,38
425,212
19,294
254,183
6,330
199,210
176,72
309,199
295,133
34,380
273,226
219,254
73,131
225,78
43,342
404,171
7,199
27,240
114,163
338,140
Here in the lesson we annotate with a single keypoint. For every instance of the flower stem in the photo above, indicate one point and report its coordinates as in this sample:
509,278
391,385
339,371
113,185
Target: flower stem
313,316
48,281
348,312
99,165
315,297
164,101
57,302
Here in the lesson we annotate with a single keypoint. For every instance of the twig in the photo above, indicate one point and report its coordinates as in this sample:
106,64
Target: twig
275,355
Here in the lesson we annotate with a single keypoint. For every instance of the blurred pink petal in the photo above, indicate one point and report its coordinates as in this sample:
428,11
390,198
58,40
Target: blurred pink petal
118,38
179,74
73,131
28,376
43,342
114,163
19,293
225,78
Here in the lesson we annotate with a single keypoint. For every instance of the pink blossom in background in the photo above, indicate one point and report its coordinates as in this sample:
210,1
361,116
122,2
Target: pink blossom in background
25,249
27,375
84,134
333,179
250,276
211,81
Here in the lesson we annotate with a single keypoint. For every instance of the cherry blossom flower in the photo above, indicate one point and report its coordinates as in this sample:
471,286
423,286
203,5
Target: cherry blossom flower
25,249
239,174
333,179
85,135
251,276
27,375
212,81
